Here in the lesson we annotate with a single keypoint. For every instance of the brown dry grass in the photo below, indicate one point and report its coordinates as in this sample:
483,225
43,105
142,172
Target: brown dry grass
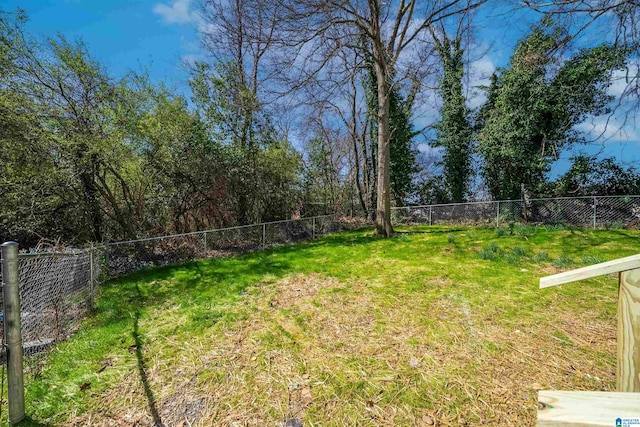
333,353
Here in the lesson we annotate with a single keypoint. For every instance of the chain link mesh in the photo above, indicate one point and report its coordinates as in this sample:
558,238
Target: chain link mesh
55,294
618,212
600,211
126,257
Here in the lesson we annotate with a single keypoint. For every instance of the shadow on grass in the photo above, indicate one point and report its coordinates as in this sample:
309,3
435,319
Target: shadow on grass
30,422
214,279
431,231
142,367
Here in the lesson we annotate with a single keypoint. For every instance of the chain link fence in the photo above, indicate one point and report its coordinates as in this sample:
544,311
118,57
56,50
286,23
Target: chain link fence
590,211
56,291
129,256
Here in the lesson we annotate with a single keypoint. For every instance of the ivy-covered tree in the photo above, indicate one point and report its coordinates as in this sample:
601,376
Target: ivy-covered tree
453,132
534,105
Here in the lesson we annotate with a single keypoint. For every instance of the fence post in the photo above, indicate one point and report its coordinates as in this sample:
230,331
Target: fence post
313,228
12,330
430,223
595,201
91,278
497,213
264,234
205,243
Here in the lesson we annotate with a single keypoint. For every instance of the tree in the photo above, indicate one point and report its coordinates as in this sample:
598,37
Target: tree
65,93
388,29
234,119
590,177
533,106
88,158
342,102
615,20
454,131
239,37
403,165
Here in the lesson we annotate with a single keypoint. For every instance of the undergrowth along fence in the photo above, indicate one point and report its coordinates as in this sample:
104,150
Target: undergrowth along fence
128,256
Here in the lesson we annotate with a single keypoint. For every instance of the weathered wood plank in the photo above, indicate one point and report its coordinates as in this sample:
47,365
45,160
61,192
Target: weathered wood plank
610,267
629,331
586,408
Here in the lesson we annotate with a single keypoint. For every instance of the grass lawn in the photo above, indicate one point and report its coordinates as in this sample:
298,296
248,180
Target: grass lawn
437,326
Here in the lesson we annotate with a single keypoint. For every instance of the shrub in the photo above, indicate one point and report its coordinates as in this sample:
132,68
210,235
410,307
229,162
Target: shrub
541,257
491,252
562,262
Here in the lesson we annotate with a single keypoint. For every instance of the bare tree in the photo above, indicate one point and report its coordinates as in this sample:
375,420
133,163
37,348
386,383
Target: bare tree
340,99
384,31
239,35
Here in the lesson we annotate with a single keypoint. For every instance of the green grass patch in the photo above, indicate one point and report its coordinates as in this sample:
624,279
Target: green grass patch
350,329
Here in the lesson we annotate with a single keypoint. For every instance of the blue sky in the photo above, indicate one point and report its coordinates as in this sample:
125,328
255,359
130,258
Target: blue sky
160,34
122,34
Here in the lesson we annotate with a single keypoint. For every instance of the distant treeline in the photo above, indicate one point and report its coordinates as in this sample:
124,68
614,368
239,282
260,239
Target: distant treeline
89,157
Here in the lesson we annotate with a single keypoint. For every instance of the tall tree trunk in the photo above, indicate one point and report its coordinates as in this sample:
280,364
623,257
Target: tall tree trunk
363,204
91,196
383,210
243,217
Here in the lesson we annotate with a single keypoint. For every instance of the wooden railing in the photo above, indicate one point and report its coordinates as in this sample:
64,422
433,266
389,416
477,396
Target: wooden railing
586,408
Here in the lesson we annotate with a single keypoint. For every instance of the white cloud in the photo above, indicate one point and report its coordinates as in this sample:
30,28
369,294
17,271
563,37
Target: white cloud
428,150
610,129
178,12
622,80
191,58
480,72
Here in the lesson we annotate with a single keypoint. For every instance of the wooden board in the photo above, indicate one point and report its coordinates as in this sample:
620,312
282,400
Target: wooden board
610,267
629,331
587,408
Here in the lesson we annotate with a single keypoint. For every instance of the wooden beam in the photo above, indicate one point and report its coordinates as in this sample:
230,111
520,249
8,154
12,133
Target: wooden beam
629,331
610,267
586,408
